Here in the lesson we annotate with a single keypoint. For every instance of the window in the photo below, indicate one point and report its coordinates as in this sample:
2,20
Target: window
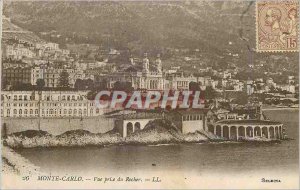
15,111
36,112
8,112
97,110
31,111
65,111
63,97
75,112
70,111
15,97
25,112
25,97
20,112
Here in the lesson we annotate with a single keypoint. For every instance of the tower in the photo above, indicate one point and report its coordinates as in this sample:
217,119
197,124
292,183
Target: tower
249,87
158,64
145,63
131,60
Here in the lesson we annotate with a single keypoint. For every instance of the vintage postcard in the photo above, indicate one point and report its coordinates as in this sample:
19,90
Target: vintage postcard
149,94
277,25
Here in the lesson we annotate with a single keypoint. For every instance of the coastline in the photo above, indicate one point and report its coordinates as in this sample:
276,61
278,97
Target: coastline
83,139
158,135
15,164
148,138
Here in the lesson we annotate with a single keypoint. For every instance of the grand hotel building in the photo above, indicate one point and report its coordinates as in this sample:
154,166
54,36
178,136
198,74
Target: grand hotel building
47,104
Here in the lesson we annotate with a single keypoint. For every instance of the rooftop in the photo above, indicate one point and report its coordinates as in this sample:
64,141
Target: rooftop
249,122
192,111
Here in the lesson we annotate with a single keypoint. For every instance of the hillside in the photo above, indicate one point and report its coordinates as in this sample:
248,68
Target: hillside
215,28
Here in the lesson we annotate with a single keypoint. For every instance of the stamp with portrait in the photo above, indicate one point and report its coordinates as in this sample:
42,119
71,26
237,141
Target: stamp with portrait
277,26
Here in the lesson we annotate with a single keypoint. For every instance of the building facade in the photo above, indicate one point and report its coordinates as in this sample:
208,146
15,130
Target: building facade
48,104
14,75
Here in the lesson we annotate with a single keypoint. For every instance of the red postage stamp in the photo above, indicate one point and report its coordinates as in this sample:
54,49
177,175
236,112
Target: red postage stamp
277,26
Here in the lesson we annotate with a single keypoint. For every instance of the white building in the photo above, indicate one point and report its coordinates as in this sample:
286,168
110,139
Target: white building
17,52
47,104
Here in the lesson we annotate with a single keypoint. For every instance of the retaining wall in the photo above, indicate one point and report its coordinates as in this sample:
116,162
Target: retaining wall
57,126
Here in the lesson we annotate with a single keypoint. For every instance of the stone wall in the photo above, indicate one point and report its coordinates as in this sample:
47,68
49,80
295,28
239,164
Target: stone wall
57,126
192,126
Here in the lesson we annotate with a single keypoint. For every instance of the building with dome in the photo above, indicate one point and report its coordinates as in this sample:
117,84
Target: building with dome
140,75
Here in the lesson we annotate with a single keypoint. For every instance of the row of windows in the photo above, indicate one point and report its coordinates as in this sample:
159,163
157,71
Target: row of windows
51,111
16,71
47,104
21,97
20,112
27,97
64,97
192,117
182,83
16,75
66,104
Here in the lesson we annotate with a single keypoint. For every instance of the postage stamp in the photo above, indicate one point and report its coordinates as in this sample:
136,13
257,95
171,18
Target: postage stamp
277,26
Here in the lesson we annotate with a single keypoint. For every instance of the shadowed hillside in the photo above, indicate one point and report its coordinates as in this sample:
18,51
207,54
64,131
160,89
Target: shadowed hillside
217,29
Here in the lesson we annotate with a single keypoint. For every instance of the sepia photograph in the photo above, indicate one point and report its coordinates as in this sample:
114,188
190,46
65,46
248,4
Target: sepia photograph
127,94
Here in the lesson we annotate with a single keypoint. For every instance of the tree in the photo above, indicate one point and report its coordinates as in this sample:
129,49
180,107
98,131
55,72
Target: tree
22,86
79,85
63,81
40,83
89,84
193,86
123,86
3,83
241,99
210,93
272,89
